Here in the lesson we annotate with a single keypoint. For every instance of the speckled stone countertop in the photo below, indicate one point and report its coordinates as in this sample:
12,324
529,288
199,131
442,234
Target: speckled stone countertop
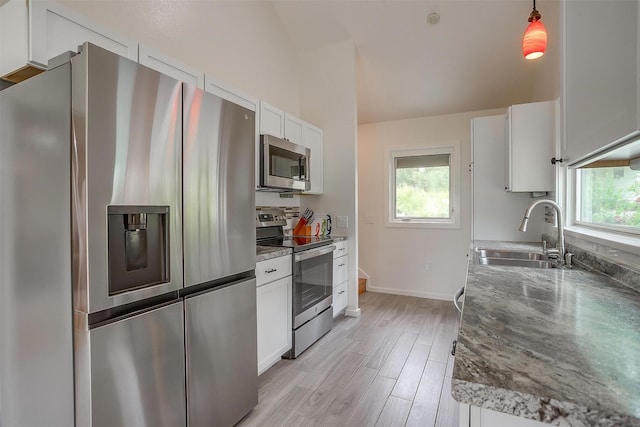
337,239
264,253
561,346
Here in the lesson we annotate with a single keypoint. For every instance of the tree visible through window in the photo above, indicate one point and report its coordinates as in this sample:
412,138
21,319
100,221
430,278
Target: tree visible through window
422,187
609,196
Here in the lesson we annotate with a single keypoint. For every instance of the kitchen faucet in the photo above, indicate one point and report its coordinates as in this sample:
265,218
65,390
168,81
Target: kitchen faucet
558,252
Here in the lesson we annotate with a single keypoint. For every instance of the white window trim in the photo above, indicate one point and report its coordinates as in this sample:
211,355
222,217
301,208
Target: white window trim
450,147
628,242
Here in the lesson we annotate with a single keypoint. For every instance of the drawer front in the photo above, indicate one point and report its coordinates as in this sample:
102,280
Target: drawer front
273,269
340,270
342,249
339,298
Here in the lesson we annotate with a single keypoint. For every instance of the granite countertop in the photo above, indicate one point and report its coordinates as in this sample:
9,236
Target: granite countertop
264,253
560,346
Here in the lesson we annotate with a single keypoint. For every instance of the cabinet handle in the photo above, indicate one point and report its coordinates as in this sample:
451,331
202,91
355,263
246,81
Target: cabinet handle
341,292
340,265
273,270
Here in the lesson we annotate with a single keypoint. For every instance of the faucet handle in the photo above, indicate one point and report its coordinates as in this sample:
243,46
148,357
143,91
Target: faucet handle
553,253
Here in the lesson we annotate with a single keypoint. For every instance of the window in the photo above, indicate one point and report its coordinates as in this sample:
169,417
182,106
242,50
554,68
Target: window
608,197
422,187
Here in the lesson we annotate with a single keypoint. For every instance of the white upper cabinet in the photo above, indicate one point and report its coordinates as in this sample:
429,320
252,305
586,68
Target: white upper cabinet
32,32
276,122
529,147
225,91
271,120
313,140
169,66
600,77
293,129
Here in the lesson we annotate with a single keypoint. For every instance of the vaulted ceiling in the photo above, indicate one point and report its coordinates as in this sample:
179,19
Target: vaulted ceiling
406,67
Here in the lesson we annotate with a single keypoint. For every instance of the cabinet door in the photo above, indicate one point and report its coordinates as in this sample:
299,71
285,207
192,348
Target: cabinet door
14,37
274,321
55,29
271,120
340,270
293,129
224,91
530,142
600,75
272,269
313,140
339,299
170,67
342,249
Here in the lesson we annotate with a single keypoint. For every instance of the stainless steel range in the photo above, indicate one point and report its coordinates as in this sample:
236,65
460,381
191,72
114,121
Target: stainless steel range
312,278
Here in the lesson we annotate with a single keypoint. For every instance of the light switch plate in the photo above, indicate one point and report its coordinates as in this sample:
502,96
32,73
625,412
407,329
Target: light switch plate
549,215
342,222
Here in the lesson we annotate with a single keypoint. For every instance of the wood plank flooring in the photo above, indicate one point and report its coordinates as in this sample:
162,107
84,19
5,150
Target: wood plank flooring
389,367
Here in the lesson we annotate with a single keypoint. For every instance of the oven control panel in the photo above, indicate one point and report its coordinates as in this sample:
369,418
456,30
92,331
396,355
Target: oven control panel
270,218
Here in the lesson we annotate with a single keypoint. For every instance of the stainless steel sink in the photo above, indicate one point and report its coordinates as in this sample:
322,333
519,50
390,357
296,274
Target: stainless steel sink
530,263
512,258
511,254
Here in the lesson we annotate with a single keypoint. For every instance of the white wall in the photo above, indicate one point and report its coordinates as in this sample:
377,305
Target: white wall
395,258
240,43
328,100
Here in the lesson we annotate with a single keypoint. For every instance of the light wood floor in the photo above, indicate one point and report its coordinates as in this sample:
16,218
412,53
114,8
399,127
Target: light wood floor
389,367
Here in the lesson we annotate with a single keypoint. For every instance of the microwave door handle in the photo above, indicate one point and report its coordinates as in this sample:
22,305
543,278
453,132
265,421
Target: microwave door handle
301,168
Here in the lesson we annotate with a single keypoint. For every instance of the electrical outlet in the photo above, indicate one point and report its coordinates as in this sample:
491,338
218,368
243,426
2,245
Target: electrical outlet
427,266
549,215
369,219
342,222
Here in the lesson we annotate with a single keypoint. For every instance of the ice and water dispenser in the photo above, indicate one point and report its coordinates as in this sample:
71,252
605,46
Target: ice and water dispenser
138,247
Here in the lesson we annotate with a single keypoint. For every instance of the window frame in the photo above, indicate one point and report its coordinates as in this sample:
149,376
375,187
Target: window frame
451,148
574,205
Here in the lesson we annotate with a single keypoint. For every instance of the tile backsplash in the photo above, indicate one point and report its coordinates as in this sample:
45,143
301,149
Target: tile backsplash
621,265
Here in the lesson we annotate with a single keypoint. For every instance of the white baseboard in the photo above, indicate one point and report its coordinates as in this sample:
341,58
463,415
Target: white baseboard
430,295
352,313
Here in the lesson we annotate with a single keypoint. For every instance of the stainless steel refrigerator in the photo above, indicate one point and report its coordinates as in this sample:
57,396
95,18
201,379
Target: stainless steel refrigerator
219,260
95,300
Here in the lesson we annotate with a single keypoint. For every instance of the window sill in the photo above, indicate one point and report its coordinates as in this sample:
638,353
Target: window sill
423,224
621,242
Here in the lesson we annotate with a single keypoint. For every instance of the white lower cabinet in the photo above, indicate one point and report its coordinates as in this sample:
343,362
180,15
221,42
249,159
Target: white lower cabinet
340,278
474,416
273,301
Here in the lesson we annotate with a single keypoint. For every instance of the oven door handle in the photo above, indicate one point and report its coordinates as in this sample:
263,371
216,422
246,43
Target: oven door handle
301,256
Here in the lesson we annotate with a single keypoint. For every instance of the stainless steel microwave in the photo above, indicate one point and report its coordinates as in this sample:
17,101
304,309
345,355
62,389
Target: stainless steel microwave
284,166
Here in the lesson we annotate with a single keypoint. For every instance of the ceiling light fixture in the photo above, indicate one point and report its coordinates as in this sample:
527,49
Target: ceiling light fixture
534,41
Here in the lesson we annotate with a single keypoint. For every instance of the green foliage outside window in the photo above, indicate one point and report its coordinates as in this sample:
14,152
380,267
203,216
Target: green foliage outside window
610,196
422,192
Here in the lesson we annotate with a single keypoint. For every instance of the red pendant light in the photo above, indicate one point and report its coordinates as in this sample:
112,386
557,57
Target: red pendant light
534,41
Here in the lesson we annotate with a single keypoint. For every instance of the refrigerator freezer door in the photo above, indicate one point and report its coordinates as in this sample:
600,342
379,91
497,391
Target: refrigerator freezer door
36,348
137,370
222,365
219,188
127,124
